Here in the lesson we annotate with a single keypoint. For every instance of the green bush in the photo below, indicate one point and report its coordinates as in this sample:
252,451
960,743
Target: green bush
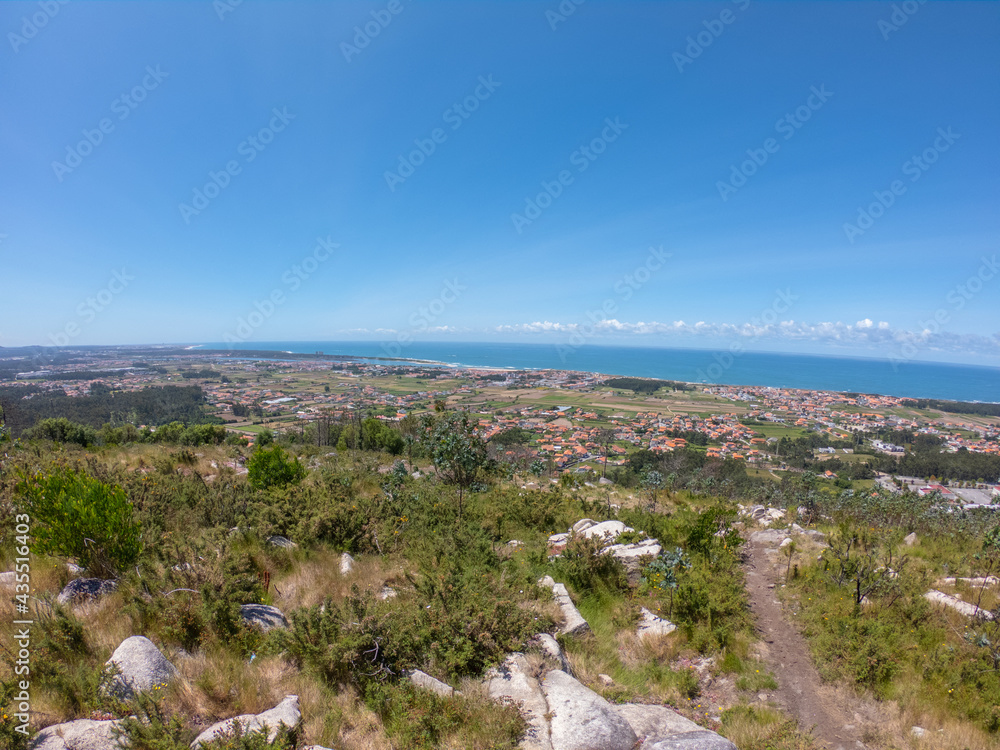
9,736
584,566
270,467
76,515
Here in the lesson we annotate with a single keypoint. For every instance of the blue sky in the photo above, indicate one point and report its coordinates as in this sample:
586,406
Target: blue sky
110,244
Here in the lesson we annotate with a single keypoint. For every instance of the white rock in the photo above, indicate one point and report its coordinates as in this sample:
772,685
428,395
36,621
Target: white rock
655,722
7,579
700,740
140,668
582,525
263,616
387,592
918,731
650,625
606,679
581,719
82,734
559,539
911,539
346,564
786,542
969,610
286,713
574,623
607,530
425,681
550,647
281,541
512,681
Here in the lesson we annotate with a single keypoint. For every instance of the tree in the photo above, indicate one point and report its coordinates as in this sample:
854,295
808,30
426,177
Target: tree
458,453
652,483
605,437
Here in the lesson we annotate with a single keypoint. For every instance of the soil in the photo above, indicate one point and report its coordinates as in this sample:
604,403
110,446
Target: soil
800,691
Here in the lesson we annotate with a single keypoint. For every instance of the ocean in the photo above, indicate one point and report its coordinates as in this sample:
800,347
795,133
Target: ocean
813,372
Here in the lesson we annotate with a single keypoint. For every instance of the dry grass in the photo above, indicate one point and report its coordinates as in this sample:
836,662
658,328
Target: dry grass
318,577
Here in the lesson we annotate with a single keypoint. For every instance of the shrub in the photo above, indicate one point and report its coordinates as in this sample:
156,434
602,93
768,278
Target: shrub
9,736
270,467
78,516
584,565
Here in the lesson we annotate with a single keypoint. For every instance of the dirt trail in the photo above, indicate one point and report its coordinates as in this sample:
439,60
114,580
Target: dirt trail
800,691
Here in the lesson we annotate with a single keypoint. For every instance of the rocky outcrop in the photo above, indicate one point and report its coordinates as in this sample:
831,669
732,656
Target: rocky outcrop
563,714
550,647
573,622
137,666
580,719
651,626
286,713
633,556
425,681
281,541
85,588
263,616
82,734
969,610
761,514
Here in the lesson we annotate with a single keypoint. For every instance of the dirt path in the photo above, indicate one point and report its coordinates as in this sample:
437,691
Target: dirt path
800,691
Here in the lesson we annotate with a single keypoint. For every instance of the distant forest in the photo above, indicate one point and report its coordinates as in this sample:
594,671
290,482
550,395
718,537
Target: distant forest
23,406
642,385
956,407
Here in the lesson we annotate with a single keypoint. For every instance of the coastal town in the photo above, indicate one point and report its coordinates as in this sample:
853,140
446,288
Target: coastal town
570,422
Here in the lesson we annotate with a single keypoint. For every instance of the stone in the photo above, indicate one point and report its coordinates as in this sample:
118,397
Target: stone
700,740
634,556
969,610
911,539
511,681
655,722
550,647
263,616
346,564
82,734
574,623
7,579
604,480
786,542
139,667
387,592
559,539
651,625
86,588
515,543
768,537
606,679
286,713
74,569
918,732
281,541
582,525
580,719
608,530
425,681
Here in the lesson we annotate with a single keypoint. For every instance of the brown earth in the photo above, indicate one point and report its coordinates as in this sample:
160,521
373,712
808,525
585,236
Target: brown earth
818,710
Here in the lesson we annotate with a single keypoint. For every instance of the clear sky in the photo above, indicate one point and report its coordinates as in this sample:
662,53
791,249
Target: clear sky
797,176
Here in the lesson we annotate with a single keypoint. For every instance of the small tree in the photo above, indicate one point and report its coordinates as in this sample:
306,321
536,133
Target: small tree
652,483
661,573
458,453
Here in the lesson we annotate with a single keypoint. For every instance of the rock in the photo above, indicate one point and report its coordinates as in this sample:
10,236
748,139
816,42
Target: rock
281,541
604,480
425,681
512,681
346,564
655,722
609,530
582,525
7,579
918,731
574,623
387,592
287,713
700,740
263,616
140,668
768,537
82,734
650,625
796,529
515,543
546,581
74,569
85,588
580,719
606,679
911,539
556,539
969,610
786,542
551,648
633,556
